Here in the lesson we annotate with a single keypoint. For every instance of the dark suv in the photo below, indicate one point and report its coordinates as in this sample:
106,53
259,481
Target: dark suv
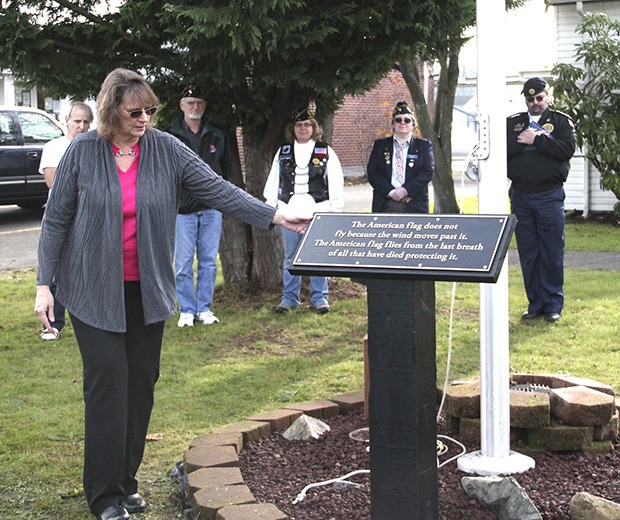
23,132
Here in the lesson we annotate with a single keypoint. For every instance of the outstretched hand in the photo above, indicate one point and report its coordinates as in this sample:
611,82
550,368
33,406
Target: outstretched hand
290,220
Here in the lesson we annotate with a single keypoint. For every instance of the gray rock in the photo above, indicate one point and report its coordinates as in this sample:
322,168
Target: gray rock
502,496
585,506
304,428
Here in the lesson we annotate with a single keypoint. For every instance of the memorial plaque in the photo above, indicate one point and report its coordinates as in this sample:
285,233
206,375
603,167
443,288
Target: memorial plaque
394,245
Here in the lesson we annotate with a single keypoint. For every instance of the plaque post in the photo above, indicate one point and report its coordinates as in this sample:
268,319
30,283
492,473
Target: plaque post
403,431
401,256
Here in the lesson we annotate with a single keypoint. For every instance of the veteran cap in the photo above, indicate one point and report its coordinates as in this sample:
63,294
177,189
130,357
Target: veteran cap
534,86
194,91
402,107
302,115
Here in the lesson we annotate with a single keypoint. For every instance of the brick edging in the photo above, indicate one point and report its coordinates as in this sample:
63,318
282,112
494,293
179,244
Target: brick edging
215,483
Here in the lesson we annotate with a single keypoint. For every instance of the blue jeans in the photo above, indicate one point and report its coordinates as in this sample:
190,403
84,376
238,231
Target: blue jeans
196,233
292,283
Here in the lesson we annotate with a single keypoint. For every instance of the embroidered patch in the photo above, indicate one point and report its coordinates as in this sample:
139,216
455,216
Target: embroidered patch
548,127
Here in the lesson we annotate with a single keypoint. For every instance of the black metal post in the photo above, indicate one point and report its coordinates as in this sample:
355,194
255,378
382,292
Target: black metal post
403,430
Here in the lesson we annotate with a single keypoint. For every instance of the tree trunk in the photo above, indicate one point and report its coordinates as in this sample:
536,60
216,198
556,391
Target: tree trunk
250,254
236,242
267,251
437,130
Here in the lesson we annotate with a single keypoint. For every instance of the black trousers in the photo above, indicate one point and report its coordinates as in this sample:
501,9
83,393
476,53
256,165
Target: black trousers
391,206
120,372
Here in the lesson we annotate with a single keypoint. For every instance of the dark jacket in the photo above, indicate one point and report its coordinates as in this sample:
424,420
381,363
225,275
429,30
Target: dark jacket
419,168
212,151
544,165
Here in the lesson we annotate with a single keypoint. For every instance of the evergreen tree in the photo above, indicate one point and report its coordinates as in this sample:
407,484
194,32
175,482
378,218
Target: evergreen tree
258,59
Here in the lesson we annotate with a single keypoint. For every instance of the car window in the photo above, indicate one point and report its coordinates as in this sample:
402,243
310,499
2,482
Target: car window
8,135
37,128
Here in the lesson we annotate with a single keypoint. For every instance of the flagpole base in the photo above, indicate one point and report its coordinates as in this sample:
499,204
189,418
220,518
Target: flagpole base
479,464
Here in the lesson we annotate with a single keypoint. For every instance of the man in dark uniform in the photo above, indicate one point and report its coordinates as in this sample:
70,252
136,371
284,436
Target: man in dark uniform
400,167
541,142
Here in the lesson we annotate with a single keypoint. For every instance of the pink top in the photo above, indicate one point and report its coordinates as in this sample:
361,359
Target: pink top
128,181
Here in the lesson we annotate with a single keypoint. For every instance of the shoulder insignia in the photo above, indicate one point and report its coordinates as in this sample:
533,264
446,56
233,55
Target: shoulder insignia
570,119
515,115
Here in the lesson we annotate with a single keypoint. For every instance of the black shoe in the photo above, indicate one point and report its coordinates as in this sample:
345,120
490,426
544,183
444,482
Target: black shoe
113,513
134,503
552,317
530,315
283,308
322,309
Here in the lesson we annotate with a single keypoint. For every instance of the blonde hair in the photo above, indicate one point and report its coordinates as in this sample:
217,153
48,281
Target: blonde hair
119,85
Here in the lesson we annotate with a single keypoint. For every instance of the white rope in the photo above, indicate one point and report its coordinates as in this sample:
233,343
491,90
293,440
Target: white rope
344,478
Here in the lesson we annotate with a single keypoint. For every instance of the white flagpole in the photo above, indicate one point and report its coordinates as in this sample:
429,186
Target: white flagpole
495,456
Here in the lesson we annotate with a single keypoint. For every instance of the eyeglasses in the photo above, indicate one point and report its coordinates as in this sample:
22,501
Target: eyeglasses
530,99
135,114
302,124
195,103
403,120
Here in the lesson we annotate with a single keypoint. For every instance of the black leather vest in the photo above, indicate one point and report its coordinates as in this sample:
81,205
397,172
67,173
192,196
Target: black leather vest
317,180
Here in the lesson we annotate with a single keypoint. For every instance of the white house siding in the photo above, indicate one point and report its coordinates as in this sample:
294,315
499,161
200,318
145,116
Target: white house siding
583,192
574,186
567,18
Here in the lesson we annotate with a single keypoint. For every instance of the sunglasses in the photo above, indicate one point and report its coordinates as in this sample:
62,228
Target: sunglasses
302,124
135,114
403,120
530,99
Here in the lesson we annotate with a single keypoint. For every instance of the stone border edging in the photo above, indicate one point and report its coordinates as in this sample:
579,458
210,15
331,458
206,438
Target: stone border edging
215,482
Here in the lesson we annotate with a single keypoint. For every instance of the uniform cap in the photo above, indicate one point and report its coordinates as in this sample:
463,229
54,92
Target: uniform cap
402,107
303,115
194,91
534,86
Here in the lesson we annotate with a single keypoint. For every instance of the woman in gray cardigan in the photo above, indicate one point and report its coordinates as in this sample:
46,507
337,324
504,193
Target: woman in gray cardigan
107,238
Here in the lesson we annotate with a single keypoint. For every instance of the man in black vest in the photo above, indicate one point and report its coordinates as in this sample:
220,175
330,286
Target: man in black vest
541,142
306,175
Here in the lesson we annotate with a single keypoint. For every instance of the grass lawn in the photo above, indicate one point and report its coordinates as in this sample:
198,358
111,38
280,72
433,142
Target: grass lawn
255,360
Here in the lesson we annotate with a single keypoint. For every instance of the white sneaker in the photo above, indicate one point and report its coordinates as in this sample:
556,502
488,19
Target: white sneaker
186,320
207,317
50,336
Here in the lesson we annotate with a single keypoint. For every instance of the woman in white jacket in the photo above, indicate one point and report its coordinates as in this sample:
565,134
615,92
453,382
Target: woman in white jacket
305,176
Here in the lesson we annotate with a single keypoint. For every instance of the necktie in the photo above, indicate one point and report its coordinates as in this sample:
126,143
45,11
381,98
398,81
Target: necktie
399,162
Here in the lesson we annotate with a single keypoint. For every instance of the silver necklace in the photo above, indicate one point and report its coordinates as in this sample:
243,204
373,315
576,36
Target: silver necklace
119,153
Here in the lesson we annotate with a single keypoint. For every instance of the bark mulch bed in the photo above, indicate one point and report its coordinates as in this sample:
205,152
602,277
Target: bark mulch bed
277,470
